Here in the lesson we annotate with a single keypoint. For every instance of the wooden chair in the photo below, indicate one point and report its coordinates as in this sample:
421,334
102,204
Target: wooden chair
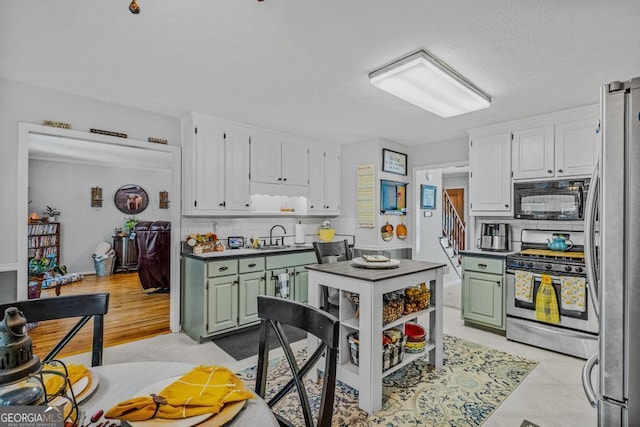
332,251
275,312
85,306
327,253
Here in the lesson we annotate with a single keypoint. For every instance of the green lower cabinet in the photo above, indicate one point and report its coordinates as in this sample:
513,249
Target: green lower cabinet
251,285
301,285
221,303
483,298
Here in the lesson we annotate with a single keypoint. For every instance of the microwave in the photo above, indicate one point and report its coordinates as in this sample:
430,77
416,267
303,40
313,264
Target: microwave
550,200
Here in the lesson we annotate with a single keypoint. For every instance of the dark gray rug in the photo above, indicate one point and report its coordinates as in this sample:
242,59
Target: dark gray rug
245,343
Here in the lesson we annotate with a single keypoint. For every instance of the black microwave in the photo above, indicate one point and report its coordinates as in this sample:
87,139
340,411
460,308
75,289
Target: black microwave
561,200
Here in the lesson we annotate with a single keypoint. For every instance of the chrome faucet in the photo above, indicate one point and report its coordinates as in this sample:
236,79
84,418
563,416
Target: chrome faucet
271,234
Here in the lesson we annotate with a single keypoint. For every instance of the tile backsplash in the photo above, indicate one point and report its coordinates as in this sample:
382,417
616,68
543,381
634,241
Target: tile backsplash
517,225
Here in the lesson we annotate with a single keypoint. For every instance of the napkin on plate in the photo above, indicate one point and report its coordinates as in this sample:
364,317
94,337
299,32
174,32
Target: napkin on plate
204,390
54,383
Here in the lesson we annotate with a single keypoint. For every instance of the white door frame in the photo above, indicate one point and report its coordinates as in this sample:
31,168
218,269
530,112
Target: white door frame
24,132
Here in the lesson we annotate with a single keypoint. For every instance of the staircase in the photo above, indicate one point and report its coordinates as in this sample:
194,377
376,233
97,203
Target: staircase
453,234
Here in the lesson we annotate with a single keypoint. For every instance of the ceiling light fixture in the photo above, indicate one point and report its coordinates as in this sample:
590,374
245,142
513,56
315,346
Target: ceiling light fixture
423,80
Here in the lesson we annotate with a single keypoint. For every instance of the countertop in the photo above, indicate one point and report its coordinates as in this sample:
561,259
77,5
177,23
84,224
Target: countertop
245,253
487,254
347,269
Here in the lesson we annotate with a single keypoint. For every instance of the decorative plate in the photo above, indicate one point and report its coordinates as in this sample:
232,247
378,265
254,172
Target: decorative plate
359,262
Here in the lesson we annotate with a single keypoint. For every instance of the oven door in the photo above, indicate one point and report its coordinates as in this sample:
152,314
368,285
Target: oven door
582,321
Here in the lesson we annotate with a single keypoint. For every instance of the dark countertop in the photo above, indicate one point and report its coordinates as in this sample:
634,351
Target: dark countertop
347,269
247,253
487,254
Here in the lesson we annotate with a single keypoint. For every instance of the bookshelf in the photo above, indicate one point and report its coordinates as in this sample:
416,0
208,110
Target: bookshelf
44,240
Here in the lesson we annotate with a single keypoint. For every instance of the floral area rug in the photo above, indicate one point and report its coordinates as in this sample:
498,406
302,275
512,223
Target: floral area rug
472,383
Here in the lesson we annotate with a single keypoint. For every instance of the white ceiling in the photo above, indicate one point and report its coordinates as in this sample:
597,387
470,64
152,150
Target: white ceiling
301,66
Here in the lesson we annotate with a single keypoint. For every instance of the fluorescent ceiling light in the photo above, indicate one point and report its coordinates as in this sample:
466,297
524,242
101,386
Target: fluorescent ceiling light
423,80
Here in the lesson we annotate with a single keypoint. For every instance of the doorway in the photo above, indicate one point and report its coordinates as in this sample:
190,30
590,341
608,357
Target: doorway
67,145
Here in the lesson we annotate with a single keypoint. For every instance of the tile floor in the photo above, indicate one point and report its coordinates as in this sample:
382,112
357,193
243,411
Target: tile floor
550,396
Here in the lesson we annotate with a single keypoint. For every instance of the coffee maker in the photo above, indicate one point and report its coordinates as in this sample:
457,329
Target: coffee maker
494,237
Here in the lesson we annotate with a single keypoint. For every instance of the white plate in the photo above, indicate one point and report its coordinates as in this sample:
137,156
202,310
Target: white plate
181,422
392,263
87,391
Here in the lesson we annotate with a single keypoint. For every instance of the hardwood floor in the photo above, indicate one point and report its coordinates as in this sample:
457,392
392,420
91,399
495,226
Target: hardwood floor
133,315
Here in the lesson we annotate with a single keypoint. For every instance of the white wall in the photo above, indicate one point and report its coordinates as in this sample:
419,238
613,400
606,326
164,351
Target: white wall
439,153
21,102
362,153
67,187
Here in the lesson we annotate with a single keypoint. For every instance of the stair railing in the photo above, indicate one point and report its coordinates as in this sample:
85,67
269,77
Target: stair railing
452,225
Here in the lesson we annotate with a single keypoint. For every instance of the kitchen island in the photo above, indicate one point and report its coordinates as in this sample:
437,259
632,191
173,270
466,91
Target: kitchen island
367,319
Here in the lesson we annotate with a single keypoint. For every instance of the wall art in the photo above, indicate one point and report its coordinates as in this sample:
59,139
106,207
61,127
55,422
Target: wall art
427,196
394,162
131,199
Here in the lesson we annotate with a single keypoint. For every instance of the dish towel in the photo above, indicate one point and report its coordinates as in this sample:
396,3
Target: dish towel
546,302
524,286
203,390
282,288
572,293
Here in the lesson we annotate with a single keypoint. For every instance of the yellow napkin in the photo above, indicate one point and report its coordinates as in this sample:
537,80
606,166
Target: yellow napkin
546,302
204,390
54,383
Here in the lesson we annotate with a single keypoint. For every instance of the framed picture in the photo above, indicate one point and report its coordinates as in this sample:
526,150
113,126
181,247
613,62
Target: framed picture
393,197
394,162
427,197
131,199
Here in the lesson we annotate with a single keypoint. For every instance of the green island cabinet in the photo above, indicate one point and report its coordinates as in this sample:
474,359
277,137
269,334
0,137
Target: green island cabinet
220,294
483,291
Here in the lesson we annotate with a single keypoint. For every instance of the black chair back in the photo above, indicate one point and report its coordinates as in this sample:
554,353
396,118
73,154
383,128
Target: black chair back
84,306
275,312
332,251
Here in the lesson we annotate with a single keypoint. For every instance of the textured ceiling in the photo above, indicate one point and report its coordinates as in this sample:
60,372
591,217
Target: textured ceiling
301,66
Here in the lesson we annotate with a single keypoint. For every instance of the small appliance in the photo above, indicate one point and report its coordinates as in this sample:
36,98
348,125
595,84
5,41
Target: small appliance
235,242
494,237
550,200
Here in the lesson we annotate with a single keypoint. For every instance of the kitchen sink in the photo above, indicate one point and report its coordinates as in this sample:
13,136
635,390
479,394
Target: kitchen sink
271,247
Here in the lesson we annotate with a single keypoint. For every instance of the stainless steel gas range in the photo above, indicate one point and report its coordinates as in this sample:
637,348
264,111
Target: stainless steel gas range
576,333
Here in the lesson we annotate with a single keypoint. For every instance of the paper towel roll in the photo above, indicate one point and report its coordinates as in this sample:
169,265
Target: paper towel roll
299,237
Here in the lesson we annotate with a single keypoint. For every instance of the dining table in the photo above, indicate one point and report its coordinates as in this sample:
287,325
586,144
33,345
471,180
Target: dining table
120,381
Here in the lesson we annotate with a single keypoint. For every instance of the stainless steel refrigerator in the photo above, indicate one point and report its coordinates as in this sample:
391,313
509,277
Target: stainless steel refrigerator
612,252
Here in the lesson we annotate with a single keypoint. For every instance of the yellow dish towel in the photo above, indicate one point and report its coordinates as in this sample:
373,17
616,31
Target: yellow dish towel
54,383
572,293
204,390
524,286
546,302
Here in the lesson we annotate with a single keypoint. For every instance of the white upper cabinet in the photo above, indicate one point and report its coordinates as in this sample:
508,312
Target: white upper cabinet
564,149
532,153
275,162
215,168
577,145
324,181
490,175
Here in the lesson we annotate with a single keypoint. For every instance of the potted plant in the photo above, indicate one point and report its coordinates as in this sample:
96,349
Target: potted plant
41,269
130,223
51,213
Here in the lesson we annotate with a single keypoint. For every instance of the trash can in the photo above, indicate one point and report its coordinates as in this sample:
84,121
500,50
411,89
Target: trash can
153,241
104,264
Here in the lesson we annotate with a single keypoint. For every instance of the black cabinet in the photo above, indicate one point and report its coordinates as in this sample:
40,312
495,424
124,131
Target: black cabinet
126,254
